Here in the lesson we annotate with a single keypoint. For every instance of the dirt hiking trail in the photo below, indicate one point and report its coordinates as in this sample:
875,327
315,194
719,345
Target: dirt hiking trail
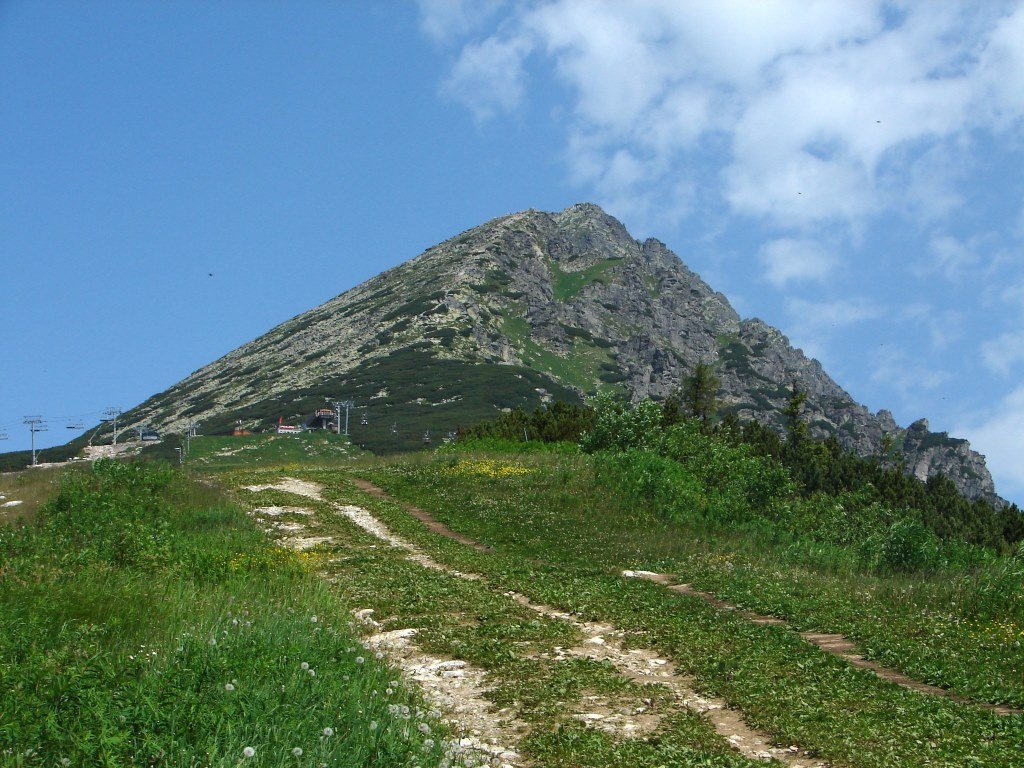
459,687
836,644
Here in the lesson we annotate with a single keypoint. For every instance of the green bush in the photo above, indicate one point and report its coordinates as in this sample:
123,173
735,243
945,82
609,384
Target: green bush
908,546
665,486
619,426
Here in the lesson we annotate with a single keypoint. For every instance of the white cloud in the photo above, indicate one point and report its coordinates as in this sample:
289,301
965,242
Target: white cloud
840,313
445,21
788,260
907,377
488,78
952,257
812,323
1004,353
945,327
832,110
999,435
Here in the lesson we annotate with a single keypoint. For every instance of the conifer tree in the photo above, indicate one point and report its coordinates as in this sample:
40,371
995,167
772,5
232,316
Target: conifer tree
671,413
700,394
796,427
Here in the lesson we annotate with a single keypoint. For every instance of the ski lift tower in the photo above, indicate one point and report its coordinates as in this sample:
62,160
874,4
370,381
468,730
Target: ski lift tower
112,414
338,405
35,424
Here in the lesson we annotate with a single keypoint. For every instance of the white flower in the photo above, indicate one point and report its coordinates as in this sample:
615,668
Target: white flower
388,691
328,731
312,672
248,752
304,665
360,659
229,687
379,655
424,728
297,751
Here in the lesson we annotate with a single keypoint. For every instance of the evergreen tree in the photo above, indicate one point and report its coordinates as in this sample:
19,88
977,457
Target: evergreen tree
700,394
796,427
671,412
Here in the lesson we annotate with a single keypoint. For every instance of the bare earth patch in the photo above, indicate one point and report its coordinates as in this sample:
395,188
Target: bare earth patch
457,689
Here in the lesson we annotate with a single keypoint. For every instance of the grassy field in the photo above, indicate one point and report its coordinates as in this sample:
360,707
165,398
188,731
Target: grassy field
150,621
29,489
147,621
213,452
555,538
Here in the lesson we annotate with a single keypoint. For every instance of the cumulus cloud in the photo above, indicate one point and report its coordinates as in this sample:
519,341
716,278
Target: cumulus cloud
445,21
489,78
830,110
999,435
788,260
1004,353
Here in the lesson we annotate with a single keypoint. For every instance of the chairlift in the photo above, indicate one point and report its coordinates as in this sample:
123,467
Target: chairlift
75,426
364,420
394,428
426,436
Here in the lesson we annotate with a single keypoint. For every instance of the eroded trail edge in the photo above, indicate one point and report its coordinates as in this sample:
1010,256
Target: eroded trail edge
601,642
836,644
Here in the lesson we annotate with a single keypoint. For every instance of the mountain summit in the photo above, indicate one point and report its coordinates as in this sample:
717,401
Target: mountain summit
522,309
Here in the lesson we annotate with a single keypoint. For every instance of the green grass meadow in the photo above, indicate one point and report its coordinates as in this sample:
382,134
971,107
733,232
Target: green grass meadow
149,620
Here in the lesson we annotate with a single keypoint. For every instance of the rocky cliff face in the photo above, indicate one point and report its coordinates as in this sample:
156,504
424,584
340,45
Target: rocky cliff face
527,307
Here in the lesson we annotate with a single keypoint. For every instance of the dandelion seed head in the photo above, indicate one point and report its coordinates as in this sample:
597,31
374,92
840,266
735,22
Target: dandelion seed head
313,619
229,687
312,672
297,751
328,731
373,725
360,659
423,728
379,655
304,665
248,752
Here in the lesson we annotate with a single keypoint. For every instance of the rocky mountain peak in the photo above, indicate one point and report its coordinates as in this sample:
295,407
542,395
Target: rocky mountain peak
523,308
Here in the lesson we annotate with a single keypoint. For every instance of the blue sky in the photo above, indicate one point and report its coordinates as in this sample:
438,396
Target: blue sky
847,171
